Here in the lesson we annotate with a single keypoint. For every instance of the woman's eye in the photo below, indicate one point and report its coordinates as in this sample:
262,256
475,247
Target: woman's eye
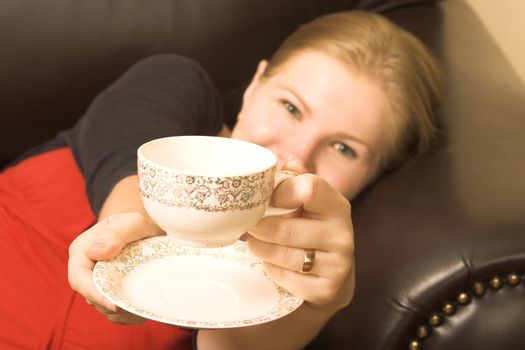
291,108
345,150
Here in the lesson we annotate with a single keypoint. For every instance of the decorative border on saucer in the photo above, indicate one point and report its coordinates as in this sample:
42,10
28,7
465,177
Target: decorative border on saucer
108,277
208,193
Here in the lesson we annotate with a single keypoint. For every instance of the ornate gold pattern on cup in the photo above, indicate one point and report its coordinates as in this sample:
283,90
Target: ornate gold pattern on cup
206,191
211,194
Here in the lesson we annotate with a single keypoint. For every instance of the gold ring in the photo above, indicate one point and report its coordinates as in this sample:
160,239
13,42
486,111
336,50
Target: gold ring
309,259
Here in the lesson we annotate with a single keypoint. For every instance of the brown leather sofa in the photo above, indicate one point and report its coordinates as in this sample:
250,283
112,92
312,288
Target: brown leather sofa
440,242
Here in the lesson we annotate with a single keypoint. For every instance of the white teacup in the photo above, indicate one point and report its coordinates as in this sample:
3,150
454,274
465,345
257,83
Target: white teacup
206,191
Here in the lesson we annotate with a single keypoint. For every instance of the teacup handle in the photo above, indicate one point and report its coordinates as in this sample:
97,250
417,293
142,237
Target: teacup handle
280,176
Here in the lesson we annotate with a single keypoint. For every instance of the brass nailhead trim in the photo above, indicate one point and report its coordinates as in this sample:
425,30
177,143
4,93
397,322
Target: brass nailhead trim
478,289
463,298
423,332
449,309
435,320
495,283
513,279
414,345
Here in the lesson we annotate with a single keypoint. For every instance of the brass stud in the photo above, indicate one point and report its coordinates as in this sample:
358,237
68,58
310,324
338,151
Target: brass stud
435,320
479,289
423,332
414,345
495,283
463,298
513,279
449,309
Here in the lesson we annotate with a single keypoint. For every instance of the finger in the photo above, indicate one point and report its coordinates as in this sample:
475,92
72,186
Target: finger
82,283
106,242
295,164
100,242
120,316
115,232
305,233
80,275
314,289
292,259
129,319
101,308
300,285
103,241
313,194
305,286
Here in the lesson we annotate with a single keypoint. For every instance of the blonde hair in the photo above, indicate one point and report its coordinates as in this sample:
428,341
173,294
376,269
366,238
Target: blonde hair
403,67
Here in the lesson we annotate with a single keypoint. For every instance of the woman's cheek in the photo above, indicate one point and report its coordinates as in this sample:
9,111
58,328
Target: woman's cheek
346,180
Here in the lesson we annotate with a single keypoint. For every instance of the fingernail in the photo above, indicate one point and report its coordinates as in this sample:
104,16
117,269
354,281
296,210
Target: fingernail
295,164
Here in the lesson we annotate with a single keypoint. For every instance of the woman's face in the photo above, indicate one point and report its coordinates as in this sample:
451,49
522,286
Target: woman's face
317,111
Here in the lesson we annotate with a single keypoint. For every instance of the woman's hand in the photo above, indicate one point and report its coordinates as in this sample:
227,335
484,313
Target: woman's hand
325,226
104,241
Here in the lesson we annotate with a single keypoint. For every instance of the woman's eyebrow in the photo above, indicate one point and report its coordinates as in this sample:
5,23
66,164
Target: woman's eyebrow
297,96
340,135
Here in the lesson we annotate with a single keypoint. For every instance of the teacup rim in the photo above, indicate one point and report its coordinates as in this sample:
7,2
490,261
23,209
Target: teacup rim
141,157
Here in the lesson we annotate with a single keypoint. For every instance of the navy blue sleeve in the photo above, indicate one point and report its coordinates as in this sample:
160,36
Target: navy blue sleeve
160,96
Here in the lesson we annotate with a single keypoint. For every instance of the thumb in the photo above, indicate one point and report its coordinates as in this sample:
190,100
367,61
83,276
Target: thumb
295,164
106,246
115,232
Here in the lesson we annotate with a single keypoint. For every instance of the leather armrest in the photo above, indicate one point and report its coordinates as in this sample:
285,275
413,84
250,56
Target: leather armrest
430,230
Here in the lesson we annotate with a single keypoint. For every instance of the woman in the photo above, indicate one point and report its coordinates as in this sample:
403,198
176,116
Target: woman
345,97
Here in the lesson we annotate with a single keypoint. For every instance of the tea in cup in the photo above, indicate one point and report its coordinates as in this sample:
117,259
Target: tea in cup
206,191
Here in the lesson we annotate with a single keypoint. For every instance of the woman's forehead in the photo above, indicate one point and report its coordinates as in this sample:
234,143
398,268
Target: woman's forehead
339,97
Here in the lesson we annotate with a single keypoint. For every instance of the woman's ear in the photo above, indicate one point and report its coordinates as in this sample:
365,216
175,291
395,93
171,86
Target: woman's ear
261,67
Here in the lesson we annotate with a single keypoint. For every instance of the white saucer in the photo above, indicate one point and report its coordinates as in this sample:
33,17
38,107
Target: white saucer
192,287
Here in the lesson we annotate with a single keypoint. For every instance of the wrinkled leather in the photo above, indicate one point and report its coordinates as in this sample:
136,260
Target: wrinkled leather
57,55
431,229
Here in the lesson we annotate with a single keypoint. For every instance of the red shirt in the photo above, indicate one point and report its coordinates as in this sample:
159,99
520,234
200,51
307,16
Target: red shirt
43,207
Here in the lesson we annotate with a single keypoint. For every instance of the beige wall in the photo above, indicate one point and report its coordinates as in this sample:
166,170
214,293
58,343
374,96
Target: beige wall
505,20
